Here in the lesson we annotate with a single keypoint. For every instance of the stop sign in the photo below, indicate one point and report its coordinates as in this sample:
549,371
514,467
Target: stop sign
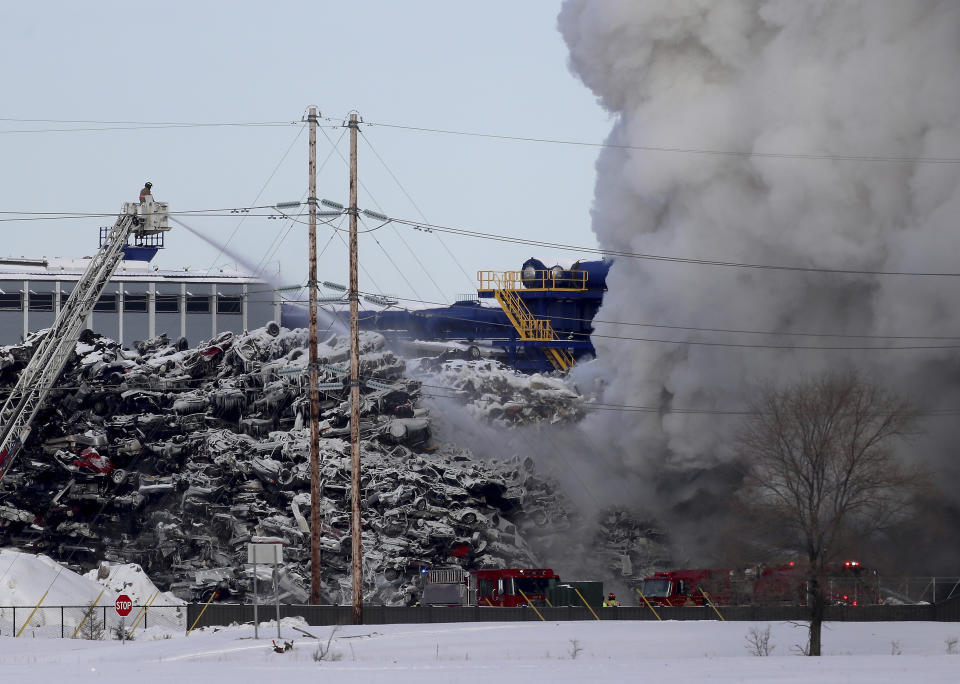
123,605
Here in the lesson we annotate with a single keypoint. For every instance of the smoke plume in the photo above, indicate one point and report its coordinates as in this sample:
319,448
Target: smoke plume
809,134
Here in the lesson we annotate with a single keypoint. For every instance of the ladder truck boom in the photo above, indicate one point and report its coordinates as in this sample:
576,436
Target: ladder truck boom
56,344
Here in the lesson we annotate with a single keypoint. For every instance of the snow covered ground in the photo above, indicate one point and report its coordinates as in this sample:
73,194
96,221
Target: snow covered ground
505,653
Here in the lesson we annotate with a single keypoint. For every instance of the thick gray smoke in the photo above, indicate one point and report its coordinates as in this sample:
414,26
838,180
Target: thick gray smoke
852,81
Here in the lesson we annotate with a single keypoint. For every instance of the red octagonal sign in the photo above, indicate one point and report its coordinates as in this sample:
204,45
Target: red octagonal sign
123,605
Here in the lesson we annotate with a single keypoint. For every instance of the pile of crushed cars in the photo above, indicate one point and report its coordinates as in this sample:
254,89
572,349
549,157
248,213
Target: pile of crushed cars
175,458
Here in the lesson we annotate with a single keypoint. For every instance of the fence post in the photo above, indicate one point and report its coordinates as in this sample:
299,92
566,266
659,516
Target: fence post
145,612
61,622
14,620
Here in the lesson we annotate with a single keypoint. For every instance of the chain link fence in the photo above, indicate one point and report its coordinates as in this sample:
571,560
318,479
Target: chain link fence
920,589
88,622
102,622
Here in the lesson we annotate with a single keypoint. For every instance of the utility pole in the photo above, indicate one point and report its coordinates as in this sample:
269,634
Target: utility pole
315,530
355,520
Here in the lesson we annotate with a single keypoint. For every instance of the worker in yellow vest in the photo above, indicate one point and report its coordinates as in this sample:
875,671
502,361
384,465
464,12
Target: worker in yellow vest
611,601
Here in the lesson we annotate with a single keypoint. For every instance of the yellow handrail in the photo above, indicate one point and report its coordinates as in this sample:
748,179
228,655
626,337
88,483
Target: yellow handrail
585,603
143,612
504,286
541,280
88,614
35,609
212,596
530,604
648,605
710,603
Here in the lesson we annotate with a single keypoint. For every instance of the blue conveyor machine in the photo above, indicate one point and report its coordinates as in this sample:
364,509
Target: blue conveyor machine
538,318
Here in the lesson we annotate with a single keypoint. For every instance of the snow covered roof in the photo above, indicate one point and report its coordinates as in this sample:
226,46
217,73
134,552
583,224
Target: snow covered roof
62,268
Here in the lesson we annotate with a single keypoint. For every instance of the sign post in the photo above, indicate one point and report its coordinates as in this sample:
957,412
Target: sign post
123,605
269,553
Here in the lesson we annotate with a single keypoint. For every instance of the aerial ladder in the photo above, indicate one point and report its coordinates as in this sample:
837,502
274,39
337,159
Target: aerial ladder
140,219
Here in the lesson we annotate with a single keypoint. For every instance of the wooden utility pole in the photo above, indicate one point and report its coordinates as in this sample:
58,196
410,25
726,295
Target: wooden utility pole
356,524
315,524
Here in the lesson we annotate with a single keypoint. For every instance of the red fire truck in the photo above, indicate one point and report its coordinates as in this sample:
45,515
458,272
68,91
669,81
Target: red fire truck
502,587
846,583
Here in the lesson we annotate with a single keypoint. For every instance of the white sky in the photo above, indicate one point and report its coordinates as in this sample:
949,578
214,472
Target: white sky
495,67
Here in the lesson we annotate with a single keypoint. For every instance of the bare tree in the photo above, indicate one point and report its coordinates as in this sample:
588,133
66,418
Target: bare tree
820,468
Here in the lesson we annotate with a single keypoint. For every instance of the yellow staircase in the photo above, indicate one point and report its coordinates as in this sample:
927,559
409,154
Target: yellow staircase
528,326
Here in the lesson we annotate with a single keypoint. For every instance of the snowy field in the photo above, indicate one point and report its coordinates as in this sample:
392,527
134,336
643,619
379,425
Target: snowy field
502,653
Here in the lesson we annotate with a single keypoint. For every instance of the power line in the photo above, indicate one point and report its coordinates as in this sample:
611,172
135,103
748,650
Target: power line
415,206
741,345
420,225
681,150
374,200
262,189
720,330
417,225
98,129
152,123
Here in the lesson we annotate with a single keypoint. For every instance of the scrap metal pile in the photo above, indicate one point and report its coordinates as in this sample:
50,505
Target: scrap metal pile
499,395
175,457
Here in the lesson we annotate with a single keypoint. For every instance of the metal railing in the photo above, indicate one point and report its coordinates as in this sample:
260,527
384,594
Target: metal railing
920,589
571,281
103,623
504,286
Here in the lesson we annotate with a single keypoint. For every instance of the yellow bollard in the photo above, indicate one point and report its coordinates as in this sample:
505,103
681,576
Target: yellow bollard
143,612
710,603
88,614
585,603
213,595
648,605
530,604
35,609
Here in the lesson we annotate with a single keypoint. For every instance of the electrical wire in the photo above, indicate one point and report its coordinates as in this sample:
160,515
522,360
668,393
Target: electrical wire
416,225
428,227
279,241
588,336
680,150
396,180
377,204
262,190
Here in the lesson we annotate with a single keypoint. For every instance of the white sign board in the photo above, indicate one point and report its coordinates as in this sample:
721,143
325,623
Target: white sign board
266,554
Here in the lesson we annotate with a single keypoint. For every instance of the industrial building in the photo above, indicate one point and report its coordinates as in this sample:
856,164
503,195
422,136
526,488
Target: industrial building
140,301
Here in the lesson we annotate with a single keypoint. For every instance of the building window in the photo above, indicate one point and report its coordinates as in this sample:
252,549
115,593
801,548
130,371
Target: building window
64,296
198,304
229,304
11,302
106,303
41,301
135,302
167,303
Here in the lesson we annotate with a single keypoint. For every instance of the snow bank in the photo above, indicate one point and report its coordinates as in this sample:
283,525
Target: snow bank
130,579
24,577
